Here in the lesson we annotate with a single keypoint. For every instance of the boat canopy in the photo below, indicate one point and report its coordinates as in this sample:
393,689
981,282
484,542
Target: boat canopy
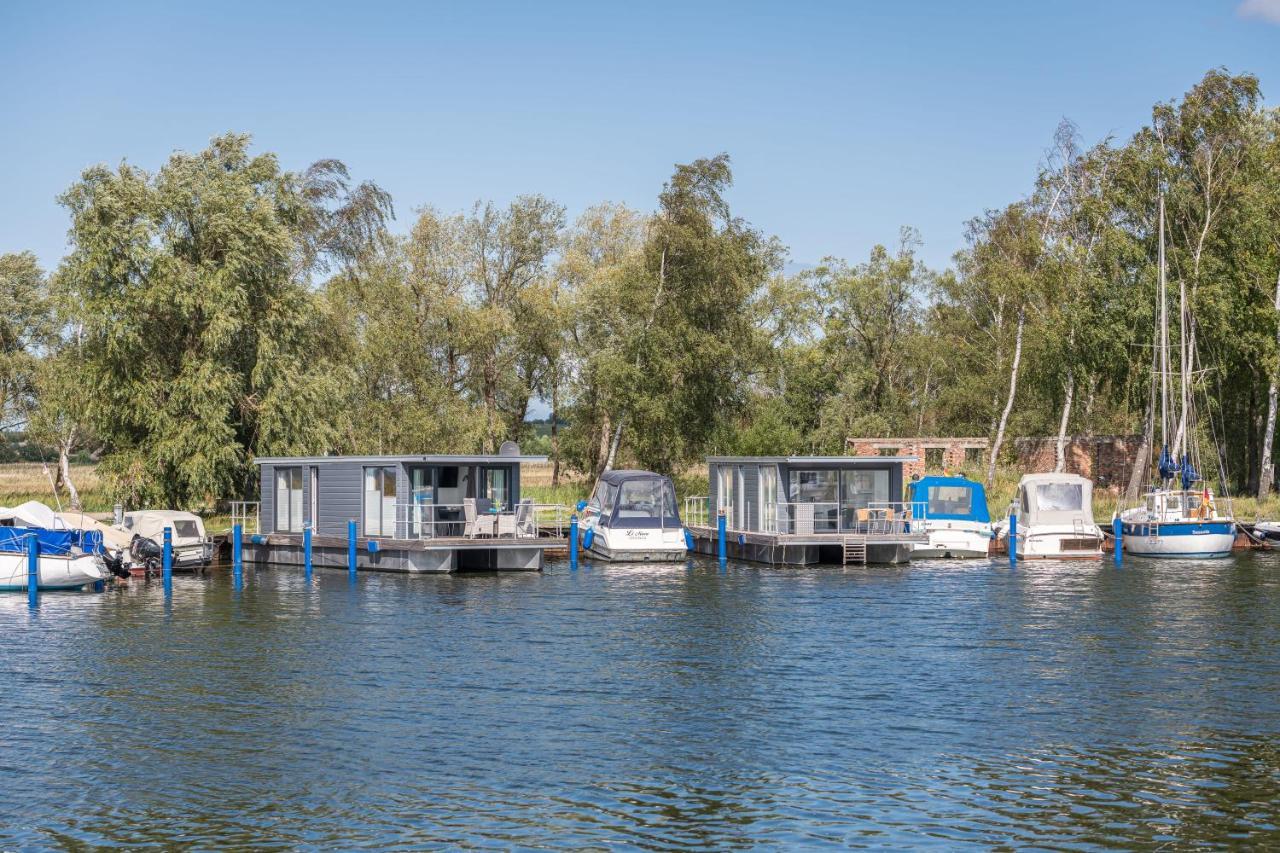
950,498
57,543
636,500
1055,498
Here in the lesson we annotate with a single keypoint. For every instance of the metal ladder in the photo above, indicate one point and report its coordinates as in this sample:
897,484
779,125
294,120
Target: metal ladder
855,550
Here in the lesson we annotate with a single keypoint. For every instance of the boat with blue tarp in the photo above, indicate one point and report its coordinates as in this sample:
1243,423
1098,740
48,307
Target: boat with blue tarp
66,559
955,515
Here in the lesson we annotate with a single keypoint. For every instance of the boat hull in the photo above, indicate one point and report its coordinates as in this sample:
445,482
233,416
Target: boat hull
1183,539
73,572
954,544
1056,543
638,546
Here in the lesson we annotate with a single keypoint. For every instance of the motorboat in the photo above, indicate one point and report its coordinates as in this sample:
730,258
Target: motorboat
1055,518
192,549
66,559
953,511
632,517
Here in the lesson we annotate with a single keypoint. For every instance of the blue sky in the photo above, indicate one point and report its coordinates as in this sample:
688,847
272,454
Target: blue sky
844,120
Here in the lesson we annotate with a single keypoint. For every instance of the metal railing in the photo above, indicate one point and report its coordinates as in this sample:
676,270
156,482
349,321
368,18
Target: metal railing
415,521
877,518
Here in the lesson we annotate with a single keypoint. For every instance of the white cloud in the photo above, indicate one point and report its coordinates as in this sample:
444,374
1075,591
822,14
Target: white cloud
1263,10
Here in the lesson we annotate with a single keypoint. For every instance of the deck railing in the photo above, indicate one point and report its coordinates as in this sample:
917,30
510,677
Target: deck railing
803,518
413,521
247,514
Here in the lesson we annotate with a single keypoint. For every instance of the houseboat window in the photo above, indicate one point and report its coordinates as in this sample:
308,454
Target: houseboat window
289,500
768,478
858,491
819,487
724,490
950,500
497,487
1060,497
379,501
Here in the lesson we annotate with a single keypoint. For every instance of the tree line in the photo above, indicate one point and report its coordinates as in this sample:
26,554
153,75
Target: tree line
223,308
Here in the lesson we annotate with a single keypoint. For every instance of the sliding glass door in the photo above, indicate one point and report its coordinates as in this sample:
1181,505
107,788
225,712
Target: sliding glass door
380,501
289,500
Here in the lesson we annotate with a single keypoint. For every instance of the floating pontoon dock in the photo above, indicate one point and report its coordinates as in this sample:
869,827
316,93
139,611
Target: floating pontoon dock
807,509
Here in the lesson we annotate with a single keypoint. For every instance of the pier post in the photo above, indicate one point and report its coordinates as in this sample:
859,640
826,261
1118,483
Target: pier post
168,561
1117,529
237,553
573,542
720,531
306,550
33,571
1013,539
351,548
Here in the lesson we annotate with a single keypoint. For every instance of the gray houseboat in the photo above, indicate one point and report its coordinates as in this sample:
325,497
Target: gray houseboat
807,509
412,513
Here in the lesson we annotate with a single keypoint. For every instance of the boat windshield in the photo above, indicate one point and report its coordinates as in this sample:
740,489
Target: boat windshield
1059,497
950,500
645,499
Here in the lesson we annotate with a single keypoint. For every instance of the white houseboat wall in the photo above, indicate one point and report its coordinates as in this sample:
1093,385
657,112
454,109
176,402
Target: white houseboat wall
412,513
808,509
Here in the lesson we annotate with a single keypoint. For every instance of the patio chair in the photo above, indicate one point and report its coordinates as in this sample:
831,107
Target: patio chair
526,524
804,519
506,524
475,524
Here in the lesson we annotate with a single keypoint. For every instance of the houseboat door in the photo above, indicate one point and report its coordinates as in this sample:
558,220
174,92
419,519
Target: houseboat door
768,479
724,494
740,516
314,517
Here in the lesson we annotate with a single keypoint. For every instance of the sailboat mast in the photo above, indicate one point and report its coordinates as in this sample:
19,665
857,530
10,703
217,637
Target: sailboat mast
1164,341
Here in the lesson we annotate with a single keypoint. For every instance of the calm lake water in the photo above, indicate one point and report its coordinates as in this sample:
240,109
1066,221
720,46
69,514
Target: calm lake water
945,704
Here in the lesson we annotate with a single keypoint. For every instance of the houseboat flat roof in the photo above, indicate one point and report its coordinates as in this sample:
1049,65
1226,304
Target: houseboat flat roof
812,460
429,459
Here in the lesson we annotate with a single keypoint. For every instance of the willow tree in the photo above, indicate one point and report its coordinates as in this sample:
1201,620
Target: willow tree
26,327
201,343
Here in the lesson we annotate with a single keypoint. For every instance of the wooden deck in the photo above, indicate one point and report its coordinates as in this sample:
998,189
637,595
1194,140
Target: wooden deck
807,548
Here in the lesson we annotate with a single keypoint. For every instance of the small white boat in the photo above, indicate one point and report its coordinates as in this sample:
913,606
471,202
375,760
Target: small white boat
63,561
1055,518
192,549
632,517
954,514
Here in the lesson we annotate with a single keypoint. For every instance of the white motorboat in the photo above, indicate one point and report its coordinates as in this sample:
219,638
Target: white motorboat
192,549
632,517
953,511
66,559
1055,518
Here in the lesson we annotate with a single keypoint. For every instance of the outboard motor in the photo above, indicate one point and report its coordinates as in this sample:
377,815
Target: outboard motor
146,553
115,564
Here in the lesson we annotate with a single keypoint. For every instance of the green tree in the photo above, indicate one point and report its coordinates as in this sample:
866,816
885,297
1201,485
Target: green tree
202,342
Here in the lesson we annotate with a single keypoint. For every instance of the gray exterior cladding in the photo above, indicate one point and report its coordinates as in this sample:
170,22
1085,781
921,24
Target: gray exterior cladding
746,505
339,486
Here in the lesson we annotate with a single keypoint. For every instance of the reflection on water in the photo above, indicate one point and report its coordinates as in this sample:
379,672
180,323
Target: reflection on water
652,706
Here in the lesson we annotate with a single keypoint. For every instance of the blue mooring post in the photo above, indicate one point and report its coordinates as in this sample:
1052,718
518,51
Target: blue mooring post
720,529
306,550
168,561
33,571
237,553
1117,530
351,548
573,542
1013,539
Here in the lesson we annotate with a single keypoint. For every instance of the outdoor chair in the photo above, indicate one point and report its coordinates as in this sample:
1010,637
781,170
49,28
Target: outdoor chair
475,524
526,525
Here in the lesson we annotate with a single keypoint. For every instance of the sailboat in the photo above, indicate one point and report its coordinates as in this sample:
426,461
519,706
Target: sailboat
1179,517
